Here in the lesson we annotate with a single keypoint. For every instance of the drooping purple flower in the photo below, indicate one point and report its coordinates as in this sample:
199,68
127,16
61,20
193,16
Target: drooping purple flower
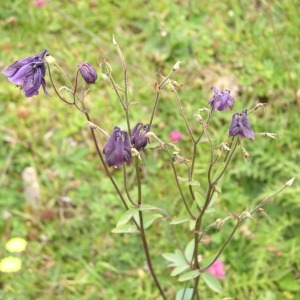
221,100
240,126
29,73
138,138
87,72
117,149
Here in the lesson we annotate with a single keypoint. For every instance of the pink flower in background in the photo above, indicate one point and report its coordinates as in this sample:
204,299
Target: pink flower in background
175,136
217,269
39,3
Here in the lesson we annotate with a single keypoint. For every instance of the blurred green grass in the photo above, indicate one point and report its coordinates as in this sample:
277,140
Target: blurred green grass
229,44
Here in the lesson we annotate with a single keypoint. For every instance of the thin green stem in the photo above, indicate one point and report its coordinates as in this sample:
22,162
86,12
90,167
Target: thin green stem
143,233
55,89
154,108
239,222
148,256
182,115
160,87
104,164
178,184
126,187
138,179
116,89
126,102
209,196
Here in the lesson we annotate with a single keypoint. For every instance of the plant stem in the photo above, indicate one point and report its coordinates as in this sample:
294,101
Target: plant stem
154,108
142,231
148,257
104,164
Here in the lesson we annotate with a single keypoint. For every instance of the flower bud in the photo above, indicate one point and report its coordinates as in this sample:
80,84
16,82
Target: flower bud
87,72
176,66
105,67
50,60
290,182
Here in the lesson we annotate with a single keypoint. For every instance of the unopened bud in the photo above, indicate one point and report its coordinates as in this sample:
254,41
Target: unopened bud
105,67
50,59
114,41
176,66
290,182
87,72
219,224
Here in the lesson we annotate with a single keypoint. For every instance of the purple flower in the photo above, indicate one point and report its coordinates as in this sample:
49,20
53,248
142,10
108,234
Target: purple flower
240,126
217,269
221,100
29,73
87,72
175,136
117,149
138,138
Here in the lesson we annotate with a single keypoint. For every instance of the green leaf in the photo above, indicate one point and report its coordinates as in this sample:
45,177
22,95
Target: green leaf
213,199
148,220
126,217
212,282
189,250
188,181
200,199
184,294
180,220
206,261
179,269
127,228
177,258
153,145
189,275
193,183
182,179
145,207
289,283
192,225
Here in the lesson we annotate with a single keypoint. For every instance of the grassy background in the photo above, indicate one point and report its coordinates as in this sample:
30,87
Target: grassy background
230,44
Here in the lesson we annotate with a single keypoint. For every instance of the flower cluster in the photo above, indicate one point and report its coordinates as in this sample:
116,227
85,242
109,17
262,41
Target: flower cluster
29,73
240,125
117,149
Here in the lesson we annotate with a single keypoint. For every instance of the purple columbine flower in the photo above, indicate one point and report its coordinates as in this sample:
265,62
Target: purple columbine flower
221,100
29,73
87,72
138,138
240,126
117,149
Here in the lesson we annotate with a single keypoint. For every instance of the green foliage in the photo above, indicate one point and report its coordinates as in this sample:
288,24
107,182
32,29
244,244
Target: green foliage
71,251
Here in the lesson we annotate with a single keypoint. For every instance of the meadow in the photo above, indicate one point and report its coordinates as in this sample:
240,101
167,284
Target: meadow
249,47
